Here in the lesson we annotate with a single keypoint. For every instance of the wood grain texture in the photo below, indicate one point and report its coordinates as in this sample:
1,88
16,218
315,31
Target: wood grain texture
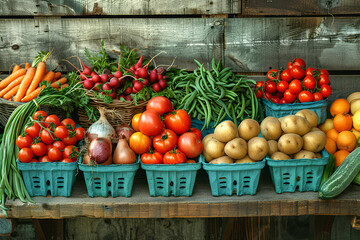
111,7
301,7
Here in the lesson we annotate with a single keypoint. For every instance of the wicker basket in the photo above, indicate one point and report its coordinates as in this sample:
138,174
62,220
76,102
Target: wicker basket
116,113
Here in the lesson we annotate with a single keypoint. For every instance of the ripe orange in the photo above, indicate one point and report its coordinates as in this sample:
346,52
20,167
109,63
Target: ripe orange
340,157
330,146
339,106
346,140
332,134
342,122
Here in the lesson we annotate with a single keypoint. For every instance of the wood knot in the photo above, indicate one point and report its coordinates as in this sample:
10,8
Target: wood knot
15,47
97,10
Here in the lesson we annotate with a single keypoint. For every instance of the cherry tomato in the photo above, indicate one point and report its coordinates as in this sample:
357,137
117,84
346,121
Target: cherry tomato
25,155
311,71
259,84
150,123
23,141
295,86
258,89
279,95
165,141
190,144
324,72
297,72
305,96
289,97
80,133
272,74
268,96
140,143
160,104
48,147
152,157
270,87
196,131
68,123
52,119
318,96
325,90
68,160
55,154
70,140
259,93
309,82
59,144
324,79
286,75
40,115
296,62
34,160
61,132
282,86
283,101
33,130
71,152
135,122
179,121
275,99
47,137
44,159
174,157
39,149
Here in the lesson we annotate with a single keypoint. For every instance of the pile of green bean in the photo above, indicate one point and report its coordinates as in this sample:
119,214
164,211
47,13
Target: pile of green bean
216,94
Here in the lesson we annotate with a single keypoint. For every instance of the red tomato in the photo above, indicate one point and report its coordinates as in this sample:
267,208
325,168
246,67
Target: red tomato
272,74
174,157
23,142
295,86
68,160
309,82
71,152
296,62
283,101
311,71
325,90
33,130
297,72
69,140
34,160
45,159
39,149
61,132
282,86
286,75
55,154
268,96
318,96
59,144
270,87
324,79
40,115
140,143
68,123
259,93
289,97
259,84
179,121
25,155
152,157
275,99
305,96
80,133
324,72
48,147
47,137
279,95
165,141
150,123
160,104
52,119
196,131
190,144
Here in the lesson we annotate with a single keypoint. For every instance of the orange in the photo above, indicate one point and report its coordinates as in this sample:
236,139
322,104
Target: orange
332,134
339,106
342,122
346,140
330,146
340,157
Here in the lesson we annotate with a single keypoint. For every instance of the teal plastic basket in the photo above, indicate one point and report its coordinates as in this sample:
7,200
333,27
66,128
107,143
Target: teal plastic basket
171,179
282,110
297,174
103,180
226,179
196,123
55,178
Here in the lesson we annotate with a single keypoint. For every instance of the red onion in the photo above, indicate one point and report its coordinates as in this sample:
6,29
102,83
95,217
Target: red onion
100,149
124,131
101,128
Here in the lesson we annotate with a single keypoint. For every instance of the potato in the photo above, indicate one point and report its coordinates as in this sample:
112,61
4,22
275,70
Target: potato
295,124
258,148
315,129
207,157
309,115
290,143
225,131
223,159
215,148
207,138
354,106
314,141
304,154
318,155
279,156
248,129
245,159
273,147
353,96
271,128
327,125
236,148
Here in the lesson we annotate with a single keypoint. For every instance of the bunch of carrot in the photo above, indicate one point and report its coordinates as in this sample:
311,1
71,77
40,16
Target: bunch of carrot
22,85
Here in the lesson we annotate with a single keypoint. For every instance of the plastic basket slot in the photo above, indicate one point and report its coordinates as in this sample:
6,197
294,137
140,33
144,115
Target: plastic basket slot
121,180
286,183
109,184
59,182
309,173
286,174
247,177
97,183
235,182
298,178
36,182
297,188
246,186
285,178
48,182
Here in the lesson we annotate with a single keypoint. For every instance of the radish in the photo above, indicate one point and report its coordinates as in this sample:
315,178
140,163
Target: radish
128,98
122,81
135,81
118,74
134,90
122,96
160,76
83,76
111,75
153,76
86,70
140,62
127,91
146,82
114,82
162,83
113,94
132,68
96,88
156,87
96,78
93,73
138,86
143,73
104,77
161,70
106,86
88,84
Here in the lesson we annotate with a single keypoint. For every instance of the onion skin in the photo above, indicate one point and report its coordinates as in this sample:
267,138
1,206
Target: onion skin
123,153
100,150
124,131
101,128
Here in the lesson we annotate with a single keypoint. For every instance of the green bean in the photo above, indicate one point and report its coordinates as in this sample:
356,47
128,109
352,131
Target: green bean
205,114
189,100
214,67
225,107
211,80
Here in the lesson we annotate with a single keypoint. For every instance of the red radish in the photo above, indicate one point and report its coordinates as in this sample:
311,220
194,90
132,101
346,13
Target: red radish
122,81
132,68
122,96
138,86
128,91
93,73
111,75
88,84
114,82
153,76
87,70
104,77
162,83
96,88
82,75
118,74
146,82
156,87
134,90
161,70
96,78
140,62
113,94
135,81
143,73
106,86
160,76
128,98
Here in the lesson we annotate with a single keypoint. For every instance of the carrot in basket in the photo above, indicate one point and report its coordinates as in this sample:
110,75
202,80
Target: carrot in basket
16,67
39,75
12,77
57,75
63,86
25,83
48,78
27,65
36,92
12,92
11,85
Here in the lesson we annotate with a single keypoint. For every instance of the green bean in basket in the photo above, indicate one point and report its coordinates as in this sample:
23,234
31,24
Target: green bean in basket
216,94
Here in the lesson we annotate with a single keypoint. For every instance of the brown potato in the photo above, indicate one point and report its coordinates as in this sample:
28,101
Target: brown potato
258,148
314,141
304,154
318,155
315,129
225,131
290,143
295,124
279,156
248,129
245,159
215,148
271,128
207,157
236,148
223,159
309,115
207,138
273,147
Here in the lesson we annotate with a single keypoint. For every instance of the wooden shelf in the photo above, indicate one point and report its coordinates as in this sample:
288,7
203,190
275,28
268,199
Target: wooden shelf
202,204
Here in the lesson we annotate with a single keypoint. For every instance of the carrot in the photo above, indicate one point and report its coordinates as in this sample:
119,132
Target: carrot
11,85
24,85
16,67
63,86
39,75
12,92
12,77
48,77
27,65
57,75
36,92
